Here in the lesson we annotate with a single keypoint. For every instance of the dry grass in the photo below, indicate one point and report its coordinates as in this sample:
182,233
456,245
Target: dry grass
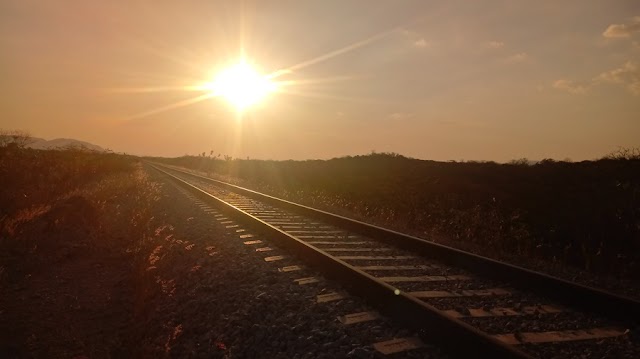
585,214
67,254
34,177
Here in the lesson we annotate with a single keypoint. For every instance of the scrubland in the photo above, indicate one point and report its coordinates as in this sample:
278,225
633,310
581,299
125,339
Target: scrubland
72,229
583,215
102,258
97,260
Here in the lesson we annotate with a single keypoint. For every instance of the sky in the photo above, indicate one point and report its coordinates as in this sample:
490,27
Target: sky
443,80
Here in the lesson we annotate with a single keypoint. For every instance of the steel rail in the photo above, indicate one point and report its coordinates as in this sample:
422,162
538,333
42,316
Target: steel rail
569,293
411,312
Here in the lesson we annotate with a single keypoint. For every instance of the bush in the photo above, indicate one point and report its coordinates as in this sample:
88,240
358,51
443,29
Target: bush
585,214
33,177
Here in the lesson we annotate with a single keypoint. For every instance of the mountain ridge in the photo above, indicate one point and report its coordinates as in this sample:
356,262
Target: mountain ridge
56,143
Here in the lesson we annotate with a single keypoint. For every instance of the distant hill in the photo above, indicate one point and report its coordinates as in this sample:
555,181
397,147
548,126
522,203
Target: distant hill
42,144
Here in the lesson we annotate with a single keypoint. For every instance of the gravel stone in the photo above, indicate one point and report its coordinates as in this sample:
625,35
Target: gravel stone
335,340
233,304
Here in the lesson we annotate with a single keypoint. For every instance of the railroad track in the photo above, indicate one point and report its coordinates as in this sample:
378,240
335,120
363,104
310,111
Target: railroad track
471,305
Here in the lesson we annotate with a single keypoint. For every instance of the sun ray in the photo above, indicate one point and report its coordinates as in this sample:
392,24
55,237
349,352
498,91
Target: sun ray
241,85
172,106
160,79
323,80
247,87
148,89
175,59
325,96
332,54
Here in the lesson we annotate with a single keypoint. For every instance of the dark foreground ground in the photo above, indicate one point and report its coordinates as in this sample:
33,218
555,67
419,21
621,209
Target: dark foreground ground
69,232
126,265
101,257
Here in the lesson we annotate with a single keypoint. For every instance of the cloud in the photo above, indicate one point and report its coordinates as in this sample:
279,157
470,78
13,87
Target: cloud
415,39
627,75
494,44
623,30
517,58
570,86
399,116
620,74
421,43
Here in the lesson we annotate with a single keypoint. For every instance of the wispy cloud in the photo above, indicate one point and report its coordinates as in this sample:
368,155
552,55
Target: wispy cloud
627,75
421,43
623,30
399,116
517,58
494,44
571,86
415,39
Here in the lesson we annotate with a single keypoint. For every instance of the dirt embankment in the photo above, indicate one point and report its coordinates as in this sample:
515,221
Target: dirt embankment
68,273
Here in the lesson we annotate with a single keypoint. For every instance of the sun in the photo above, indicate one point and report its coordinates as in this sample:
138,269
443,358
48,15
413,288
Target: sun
241,85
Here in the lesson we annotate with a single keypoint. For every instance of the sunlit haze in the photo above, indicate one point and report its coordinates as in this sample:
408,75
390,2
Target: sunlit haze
241,85
444,80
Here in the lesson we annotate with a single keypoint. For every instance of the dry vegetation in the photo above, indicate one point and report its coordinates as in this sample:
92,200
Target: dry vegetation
91,265
72,225
585,214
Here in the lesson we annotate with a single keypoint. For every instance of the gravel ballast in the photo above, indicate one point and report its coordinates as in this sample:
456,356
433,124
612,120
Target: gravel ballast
218,297
491,324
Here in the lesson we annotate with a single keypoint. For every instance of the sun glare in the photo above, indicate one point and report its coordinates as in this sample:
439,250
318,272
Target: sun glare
241,85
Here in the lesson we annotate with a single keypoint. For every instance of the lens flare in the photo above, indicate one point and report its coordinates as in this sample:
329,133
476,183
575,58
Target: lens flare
241,85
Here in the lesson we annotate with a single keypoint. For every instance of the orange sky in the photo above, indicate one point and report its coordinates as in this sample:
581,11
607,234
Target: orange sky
461,80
